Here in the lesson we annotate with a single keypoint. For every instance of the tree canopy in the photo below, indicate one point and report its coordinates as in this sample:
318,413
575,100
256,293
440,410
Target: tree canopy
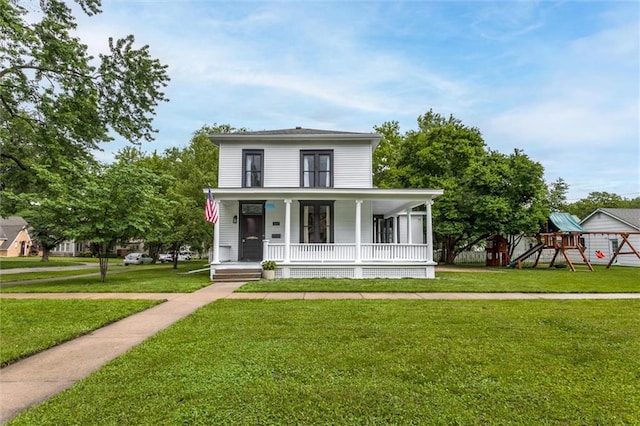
485,192
585,206
56,100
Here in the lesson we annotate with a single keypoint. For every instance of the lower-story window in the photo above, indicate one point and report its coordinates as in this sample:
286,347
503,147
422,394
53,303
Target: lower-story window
316,221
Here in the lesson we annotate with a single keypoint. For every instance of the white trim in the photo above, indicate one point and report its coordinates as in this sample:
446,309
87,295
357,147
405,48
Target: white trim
429,232
409,227
216,242
386,202
358,236
408,195
287,230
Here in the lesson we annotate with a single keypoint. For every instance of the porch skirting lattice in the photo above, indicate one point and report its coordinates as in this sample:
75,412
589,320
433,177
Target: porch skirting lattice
308,270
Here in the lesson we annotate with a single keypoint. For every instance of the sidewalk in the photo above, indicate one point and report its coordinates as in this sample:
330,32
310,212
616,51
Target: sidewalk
43,375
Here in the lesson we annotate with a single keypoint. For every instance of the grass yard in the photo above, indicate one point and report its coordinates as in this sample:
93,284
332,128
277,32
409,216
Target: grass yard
24,276
30,326
136,279
36,262
375,362
540,280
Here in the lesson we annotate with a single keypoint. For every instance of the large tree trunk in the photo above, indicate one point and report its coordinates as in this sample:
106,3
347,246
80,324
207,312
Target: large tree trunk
449,250
45,254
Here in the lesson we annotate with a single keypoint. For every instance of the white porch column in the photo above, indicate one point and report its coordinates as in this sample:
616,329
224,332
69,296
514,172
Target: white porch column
358,231
409,236
287,231
216,241
265,250
428,204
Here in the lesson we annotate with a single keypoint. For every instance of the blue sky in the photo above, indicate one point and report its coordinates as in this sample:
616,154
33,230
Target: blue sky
557,79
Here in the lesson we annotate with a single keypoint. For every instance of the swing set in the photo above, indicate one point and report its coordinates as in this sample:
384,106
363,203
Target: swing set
625,241
566,235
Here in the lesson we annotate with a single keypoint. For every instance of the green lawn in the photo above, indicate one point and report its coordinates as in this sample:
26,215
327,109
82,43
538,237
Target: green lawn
30,326
544,280
374,362
36,262
136,279
25,276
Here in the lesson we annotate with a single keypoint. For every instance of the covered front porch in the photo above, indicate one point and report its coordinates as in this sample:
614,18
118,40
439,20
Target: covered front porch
371,232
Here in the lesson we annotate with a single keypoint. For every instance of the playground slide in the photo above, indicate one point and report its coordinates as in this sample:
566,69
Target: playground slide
524,255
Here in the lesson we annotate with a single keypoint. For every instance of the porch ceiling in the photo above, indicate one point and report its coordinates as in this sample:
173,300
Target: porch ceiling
387,202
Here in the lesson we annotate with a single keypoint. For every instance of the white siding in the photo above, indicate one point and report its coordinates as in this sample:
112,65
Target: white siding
351,164
603,222
417,232
345,222
228,229
230,166
274,221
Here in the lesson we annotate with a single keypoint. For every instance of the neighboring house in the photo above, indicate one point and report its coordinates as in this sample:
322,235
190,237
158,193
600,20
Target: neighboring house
604,227
69,248
14,237
305,198
77,248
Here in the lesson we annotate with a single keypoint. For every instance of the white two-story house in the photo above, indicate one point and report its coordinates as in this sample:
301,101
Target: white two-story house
305,199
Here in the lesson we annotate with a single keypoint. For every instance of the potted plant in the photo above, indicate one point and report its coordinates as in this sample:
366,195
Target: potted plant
269,269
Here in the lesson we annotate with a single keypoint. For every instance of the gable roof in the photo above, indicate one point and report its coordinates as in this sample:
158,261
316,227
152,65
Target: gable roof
10,227
629,217
296,134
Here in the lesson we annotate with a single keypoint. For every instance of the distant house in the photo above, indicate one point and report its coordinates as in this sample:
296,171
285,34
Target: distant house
14,237
604,227
305,199
70,248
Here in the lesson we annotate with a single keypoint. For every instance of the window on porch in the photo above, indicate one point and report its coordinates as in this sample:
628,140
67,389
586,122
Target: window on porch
316,221
382,229
316,169
252,166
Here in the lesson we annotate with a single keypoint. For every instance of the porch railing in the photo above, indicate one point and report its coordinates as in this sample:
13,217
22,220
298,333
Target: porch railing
347,252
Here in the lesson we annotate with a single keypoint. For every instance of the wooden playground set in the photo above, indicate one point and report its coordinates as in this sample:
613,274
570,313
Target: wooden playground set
564,235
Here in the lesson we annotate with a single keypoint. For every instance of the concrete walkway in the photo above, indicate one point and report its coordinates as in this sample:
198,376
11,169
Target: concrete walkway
43,375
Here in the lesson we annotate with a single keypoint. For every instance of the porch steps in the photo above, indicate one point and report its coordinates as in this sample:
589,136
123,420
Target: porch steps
237,274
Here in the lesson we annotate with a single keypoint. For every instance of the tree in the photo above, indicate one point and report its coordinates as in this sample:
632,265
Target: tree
385,154
595,200
118,203
57,101
47,210
485,192
557,195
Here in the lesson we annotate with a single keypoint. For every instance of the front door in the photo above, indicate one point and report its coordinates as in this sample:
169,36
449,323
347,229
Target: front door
251,230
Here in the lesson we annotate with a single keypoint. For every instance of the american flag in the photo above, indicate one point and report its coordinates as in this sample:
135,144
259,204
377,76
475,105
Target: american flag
211,209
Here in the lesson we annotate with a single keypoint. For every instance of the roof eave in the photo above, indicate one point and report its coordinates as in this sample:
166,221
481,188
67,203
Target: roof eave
217,138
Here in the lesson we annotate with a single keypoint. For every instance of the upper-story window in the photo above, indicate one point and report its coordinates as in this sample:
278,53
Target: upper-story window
316,169
252,167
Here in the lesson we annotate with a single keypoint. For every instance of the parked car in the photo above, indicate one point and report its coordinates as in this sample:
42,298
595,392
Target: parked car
137,259
168,257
